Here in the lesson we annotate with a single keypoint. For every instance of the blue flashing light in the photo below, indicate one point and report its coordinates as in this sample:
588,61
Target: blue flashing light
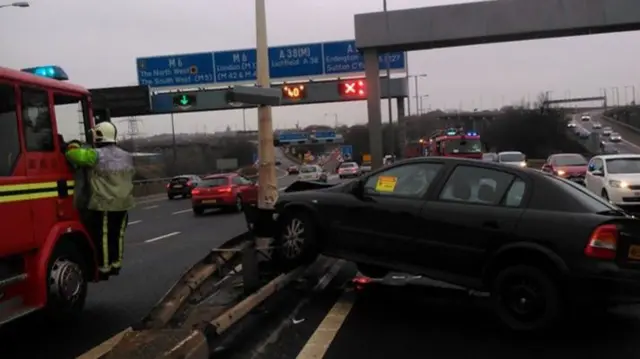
52,72
472,134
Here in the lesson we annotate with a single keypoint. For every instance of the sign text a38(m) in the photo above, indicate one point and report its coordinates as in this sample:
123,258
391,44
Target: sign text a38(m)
305,61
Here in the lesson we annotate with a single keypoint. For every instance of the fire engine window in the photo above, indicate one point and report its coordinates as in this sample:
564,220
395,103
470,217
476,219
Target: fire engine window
38,130
70,116
10,141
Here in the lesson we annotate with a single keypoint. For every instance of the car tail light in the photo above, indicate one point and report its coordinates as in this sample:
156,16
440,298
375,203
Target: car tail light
227,189
195,191
603,242
168,185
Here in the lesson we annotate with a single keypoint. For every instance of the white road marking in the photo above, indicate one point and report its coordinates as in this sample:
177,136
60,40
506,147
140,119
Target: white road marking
134,222
162,237
151,207
183,211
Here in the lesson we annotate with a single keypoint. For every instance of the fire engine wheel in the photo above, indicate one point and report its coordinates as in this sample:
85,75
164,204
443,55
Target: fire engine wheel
66,282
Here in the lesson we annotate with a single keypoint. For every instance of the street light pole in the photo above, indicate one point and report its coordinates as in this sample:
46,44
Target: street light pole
16,4
388,65
417,89
268,189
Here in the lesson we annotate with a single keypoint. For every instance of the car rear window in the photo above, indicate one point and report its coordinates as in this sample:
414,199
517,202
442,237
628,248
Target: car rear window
180,179
309,169
214,182
347,165
511,157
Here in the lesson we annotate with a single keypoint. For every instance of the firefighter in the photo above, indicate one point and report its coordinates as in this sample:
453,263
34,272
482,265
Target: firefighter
110,181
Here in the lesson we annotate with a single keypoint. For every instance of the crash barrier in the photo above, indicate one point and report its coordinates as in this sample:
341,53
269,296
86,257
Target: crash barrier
625,125
207,306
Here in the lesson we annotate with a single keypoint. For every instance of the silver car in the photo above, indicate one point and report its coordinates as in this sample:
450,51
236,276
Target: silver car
512,158
615,137
607,131
596,125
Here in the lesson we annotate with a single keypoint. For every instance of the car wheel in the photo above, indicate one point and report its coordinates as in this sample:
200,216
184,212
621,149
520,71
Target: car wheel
198,211
239,205
525,298
372,271
170,196
296,241
66,283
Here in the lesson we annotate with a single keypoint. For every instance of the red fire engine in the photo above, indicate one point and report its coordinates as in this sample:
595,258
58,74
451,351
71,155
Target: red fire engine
46,255
455,143
416,149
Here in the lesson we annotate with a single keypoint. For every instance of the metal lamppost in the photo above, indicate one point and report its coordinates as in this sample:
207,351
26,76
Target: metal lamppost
388,66
417,90
16,4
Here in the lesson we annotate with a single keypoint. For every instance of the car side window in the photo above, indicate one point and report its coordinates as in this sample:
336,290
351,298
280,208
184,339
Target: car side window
515,194
36,119
595,164
245,180
10,142
476,185
237,180
410,180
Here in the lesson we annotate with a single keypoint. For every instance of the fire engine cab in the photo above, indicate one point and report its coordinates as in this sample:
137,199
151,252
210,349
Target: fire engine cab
455,143
46,255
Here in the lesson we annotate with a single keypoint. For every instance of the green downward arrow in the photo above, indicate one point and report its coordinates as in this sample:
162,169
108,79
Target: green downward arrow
184,100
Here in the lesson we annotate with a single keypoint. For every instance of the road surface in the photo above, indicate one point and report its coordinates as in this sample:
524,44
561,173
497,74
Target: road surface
630,140
432,322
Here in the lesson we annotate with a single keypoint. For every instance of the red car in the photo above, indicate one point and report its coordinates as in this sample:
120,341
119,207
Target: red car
226,191
572,166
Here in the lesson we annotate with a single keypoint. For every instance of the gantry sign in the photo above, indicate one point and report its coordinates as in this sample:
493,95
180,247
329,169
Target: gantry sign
477,23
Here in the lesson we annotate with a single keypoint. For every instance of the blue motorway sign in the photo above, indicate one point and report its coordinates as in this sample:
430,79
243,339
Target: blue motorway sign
346,151
225,67
325,134
292,136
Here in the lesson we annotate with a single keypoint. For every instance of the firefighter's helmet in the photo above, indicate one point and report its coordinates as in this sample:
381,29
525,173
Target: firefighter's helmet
105,132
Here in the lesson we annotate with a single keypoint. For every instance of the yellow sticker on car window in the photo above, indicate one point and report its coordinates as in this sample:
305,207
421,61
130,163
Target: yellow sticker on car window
386,183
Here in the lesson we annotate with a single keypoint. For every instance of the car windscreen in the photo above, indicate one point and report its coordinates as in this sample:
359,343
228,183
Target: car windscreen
511,157
607,128
623,165
569,160
214,182
615,134
348,165
309,169
463,146
181,179
592,202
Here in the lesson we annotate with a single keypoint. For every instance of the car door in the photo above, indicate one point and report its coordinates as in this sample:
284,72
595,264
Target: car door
383,221
475,211
242,187
251,191
595,183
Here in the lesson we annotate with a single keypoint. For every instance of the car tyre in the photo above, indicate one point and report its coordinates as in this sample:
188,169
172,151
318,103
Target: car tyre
526,299
67,288
198,211
170,196
239,205
295,243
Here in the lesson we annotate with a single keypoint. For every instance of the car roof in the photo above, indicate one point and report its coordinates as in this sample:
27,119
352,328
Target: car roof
221,175
510,153
618,156
349,163
566,155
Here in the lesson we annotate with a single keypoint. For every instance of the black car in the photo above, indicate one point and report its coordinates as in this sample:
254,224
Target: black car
537,243
181,186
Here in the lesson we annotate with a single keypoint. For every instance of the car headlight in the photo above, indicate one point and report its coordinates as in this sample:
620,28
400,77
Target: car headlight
618,184
561,173
523,164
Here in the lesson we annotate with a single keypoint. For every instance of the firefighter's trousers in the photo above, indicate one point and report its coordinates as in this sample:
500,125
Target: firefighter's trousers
108,234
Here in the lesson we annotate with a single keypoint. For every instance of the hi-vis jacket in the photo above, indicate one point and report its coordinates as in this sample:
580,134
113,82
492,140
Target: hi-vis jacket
110,176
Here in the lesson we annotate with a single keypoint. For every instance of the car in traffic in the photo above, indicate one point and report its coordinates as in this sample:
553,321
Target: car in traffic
490,157
596,125
584,134
278,162
181,186
521,235
293,170
365,168
571,166
571,125
512,158
585,117
228,191
616,178
348,169
606,131
312,173
615,137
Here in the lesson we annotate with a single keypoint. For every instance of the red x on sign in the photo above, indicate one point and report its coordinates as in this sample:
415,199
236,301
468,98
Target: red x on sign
352,88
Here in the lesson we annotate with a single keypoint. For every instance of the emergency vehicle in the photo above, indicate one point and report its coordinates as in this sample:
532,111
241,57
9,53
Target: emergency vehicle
416,149
46,255
455,143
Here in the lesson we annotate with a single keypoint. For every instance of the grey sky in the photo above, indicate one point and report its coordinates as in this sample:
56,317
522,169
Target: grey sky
97,42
